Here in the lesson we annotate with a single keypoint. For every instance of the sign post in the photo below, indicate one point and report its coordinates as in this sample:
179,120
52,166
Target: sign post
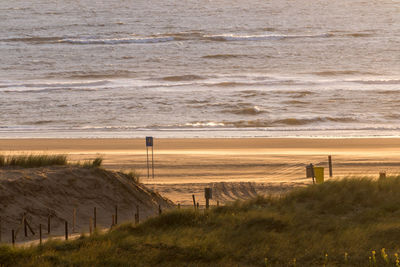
149,143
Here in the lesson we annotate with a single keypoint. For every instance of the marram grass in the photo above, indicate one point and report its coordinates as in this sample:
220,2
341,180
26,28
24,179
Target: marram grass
351,222
33,160
95,163
43,160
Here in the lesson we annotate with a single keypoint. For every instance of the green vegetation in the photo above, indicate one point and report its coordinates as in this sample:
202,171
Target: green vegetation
95,163
32,160
134,175
43,160
352,222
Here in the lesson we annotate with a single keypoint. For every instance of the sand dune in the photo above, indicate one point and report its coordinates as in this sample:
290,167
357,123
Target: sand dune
185,166
56,191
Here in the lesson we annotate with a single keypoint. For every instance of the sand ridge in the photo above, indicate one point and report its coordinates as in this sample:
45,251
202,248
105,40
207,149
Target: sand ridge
56,191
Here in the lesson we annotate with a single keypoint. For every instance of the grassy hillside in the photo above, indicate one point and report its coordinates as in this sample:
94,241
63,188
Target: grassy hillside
343,223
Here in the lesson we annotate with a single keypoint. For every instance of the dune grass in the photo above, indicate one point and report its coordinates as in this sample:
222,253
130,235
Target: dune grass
351,222
43,160
95,163
134,175
33,160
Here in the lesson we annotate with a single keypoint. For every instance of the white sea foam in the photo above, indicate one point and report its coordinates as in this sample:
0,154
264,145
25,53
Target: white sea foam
235,37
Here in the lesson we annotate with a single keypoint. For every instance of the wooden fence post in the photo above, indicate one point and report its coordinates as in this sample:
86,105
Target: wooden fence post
137,215
194,201
29,227
330,166
159,210
94,218
48,224
25,227
207,195
310,172
179,206
73,220
198,205
66,230
12,237
40,234
116,214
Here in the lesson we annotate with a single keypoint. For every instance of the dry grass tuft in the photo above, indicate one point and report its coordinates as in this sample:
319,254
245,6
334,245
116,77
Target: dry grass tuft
134,175
95,163
32,160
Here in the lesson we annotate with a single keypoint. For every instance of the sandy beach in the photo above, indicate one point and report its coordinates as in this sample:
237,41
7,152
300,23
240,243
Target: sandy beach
185,166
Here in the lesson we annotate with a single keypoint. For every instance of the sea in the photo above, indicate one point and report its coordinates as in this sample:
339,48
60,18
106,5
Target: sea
199,68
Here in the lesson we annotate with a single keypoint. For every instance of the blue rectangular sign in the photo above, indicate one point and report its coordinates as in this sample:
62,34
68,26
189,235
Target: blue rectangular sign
149,141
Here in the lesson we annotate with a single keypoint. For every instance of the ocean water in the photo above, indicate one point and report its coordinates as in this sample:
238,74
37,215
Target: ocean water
277,68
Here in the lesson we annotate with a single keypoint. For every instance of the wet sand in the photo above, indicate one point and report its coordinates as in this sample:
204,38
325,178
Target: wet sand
184,166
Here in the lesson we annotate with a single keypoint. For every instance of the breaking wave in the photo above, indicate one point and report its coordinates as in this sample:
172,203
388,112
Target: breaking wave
160,38
233,37
263,123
